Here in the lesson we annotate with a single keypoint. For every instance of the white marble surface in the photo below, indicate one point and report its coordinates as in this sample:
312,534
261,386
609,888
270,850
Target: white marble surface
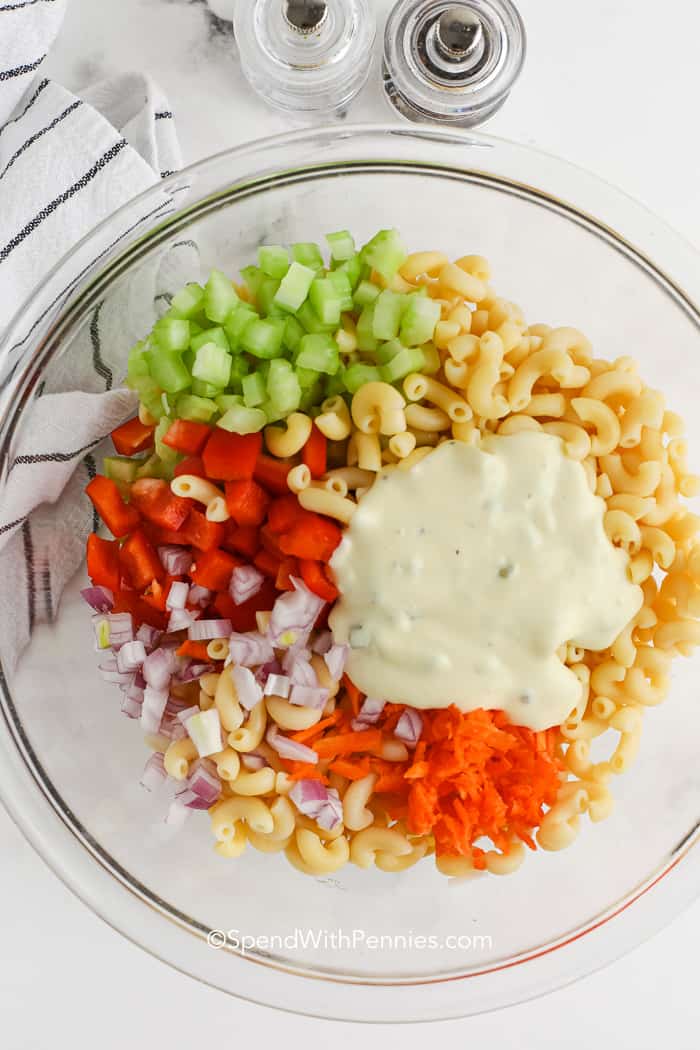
599,88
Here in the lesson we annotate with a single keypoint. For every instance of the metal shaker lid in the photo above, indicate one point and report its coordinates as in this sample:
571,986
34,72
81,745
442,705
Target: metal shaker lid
452,61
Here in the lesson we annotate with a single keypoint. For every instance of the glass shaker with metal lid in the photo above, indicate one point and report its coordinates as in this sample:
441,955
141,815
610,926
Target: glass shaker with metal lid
452,61
309,57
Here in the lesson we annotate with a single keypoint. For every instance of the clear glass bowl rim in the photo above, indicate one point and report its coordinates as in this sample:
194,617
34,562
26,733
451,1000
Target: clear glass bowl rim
632,229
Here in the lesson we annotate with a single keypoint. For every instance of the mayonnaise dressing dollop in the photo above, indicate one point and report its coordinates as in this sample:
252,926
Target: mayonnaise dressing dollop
460,578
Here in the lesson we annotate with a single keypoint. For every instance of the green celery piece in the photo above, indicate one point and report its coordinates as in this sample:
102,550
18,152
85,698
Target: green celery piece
358,374
325,300
306,376
137,362
386,351
237,323
169,372
385,253
226,401
239,368
120,468
188,359
266,298
408,359
341,244
335,384
253,278
283,387
313,396
210,335
388,308
195,329
254,392
419,320
432,363
294,287
198,409
366,340
308,254
341,282
212,364
353,269
293,332
263,338
308,318
187,301
365,293
202,389
150,468
172,334
273,260
164,452
219,297
319,352
272,413
241,420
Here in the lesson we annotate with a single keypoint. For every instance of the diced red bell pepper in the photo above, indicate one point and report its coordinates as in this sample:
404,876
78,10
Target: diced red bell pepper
317,578
158,593
129,601
246,502
132,437
267,563
213,569
103,562
231,457
314,452
272,473
288,568
139,561
314,537
185,435
284,512
270,542
241,539
195,650
156,502
201,533
119,517
190,465
242,617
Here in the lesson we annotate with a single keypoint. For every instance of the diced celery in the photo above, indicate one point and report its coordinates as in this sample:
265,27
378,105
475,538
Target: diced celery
169,372
266,298
210,335
387,315
137,362
195,329
325,300
239,368
432,363
150,468
306,376
308,317
226,401
120,468
263,338
164,452
334,384
241,420
319,352
172,334
293,332
308,254
272,412
385,351
273,260
294,287
254,392
237,323
187,301
341,282
353,268
419,320
365,293
188,358
283,387
358,374
219,297
408,359
365,336
198,409
385,253
200,388
341,244
253,277
212,364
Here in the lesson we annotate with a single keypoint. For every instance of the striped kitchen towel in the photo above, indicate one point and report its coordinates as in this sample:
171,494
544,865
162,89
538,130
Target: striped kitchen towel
66,164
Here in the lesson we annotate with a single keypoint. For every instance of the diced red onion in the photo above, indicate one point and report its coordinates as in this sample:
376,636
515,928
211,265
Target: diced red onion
150,636
177,814
130,707
181,620
322,642
308,696
293,615
250,649
246,581
369,713
409,727
205,630
253,761
154,702
263,672
100,599
177,595
317,802
177,561
290,749
153,772
131,655
121,629
335,660
302,673
249,691
202,788
204,730
158,668
199,595
294,654
192,671
277,685
110,672
139,680
134,691
331,813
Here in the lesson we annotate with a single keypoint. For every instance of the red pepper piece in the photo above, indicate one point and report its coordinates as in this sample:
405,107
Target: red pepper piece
139,561
231,457
132,437
316,577
314,537
185,435
269,541
156,502
129,601
213,569
190,465
200,533
119,517
314,453
103,562
284,512
267,563
288,568
241,539
246,502
242,617
272,473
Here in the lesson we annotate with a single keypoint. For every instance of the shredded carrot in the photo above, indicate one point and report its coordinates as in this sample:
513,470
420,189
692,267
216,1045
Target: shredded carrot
303,771
390,783
352,770
354,695
348,743
303,735
195,650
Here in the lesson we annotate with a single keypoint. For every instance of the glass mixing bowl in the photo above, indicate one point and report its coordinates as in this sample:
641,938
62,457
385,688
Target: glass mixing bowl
570,250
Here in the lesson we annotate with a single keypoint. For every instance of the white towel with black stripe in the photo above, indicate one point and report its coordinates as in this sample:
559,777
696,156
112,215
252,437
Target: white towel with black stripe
66,164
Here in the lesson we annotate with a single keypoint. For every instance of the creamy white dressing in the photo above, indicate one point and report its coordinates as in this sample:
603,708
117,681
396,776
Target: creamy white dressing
460,578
